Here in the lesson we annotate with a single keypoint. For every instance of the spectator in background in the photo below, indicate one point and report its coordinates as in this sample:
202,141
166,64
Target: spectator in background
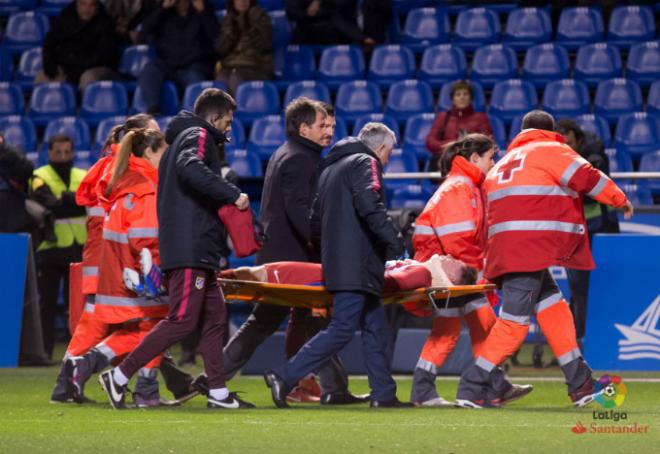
245,44
127,15
81,47
183,32
453,124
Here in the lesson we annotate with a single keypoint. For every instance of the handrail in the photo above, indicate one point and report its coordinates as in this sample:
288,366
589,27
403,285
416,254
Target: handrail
430,175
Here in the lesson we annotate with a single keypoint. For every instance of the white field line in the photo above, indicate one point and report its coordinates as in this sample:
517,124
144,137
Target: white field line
557,378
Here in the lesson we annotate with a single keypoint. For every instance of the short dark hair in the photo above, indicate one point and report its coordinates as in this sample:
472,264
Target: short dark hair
59,138
329,109
566,125
461,85
538,119
301,110
213,101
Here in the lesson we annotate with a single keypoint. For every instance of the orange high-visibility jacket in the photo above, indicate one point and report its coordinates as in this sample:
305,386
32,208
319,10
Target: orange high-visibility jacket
130,225
534,206
452,222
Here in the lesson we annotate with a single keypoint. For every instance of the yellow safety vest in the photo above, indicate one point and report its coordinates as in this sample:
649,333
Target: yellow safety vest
67,230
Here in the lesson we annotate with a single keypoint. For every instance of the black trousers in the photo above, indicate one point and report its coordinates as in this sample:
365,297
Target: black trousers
578,283
50,277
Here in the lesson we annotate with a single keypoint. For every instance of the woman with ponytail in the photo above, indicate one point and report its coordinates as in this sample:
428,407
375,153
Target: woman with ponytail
453,223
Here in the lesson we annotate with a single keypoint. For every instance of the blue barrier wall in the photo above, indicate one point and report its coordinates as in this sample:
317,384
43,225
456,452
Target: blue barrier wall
13,266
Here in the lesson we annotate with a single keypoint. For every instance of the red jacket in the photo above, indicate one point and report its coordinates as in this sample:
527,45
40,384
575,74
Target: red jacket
461,121
535,216
452,222
130,226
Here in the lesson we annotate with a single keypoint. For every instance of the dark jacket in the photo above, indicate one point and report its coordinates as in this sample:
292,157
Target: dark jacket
77,46
190,191
182,41
449,126
357,235
288,192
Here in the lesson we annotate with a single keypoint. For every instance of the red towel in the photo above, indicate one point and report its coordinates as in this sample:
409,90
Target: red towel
245,233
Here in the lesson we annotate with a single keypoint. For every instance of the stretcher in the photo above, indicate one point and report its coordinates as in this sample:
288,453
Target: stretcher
307,296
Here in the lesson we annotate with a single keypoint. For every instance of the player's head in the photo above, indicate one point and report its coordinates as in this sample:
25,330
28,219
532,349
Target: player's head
330,123
378,138
538,119
573,134
478,149
306,118
216,107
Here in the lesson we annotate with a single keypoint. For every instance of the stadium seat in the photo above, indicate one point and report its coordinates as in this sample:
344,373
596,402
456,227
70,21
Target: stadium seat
266,135
281,28
597,62
19,132
103,130
526,27
25,30
620,161
653,99
638,193
244,163
169,100
73,127
425,27
103,99
163,122
133,59
410,196
402,161
51,7
271,5
650,162
391,63
414,138
478,97
442,63
341,130
578,26
494,63
643,63
405,6
476,27
596,124
51,100
192,91
340,64
615,97
236,135
28,67
358,98
83,159
297,64
499,131
409,97
6,65
8,7
514,129
630,25
256,99
545,63
308,88
11,99
566,98
511,98
637,133
378,118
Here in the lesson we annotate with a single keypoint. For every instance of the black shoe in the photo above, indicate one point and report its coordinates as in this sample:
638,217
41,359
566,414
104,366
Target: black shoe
116,393
516,392
393,403
343,398
277,389
231,402
201,384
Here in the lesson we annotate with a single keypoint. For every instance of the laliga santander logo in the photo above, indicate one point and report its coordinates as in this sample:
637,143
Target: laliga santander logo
611,391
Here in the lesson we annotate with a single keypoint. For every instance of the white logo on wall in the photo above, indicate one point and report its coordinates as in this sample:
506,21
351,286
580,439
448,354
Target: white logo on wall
643,337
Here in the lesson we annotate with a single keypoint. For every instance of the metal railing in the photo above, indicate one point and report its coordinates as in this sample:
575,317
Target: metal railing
429,175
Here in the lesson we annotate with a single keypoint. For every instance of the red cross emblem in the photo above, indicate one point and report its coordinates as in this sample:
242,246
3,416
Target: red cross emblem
506,171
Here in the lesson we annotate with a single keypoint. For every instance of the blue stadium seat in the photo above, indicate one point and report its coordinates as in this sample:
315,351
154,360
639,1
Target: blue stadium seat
442,63
637,133
409,97
566,98
515,128
19,132
244,163
499,131
163,122
653,99
28,67
8,7
511,98
650,162
281,28
643,63
425,27
297,63
597,62
638,193
103,130
578,26
25,30
620,161
103,99
478,97
73,127
391,63
51,100
11,99
169,100
596,124
387,120
526,27
133,59
340,64
414,138
405,6
630,25
476,27
493,63
256,99
237,135
615,97
271,5
545,63
358,98
51,7
6,65
402,161
192,91
266,135
410,196
308,88
341,131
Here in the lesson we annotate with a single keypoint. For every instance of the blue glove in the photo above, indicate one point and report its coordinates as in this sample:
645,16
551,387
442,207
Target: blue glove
152,275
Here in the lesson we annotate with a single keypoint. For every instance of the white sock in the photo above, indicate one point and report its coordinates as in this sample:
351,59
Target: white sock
219,393
119,377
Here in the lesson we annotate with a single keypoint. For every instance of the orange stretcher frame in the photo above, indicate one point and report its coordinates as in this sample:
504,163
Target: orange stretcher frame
307,296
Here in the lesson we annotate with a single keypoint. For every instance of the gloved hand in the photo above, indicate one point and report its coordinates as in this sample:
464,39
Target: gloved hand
152,275
133,282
